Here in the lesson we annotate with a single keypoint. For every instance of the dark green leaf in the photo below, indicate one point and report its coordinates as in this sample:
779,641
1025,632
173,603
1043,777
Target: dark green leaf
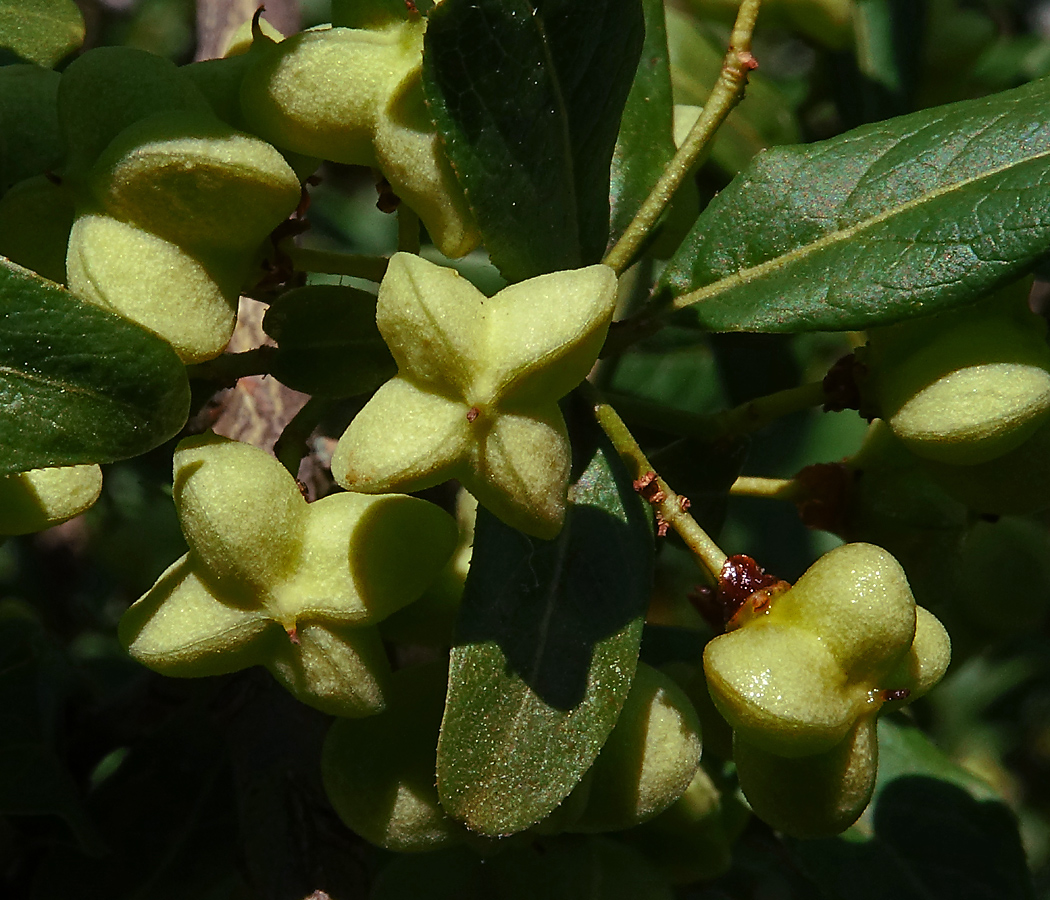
168,814
878,78
545,649
35,782
527,97
932,832
328,342
30,142
40,31
646,141
79,384
893,220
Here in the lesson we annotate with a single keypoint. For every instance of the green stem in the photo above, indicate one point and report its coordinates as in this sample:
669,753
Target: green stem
291,446
669,506
760,412
770,488
407,230
726,94
329,262
230,367
743,419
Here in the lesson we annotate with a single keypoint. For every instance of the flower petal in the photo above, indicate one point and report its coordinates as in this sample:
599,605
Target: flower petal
179,627
543,335
430,317
241,514
522,471
404,439
338,669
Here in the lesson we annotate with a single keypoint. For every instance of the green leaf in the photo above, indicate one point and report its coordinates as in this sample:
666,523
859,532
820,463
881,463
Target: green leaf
898,219
546,648
646,141
933,832
328,342
79,384
528,97
40,31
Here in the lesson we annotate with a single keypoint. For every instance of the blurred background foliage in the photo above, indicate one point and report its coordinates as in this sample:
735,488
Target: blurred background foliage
117,783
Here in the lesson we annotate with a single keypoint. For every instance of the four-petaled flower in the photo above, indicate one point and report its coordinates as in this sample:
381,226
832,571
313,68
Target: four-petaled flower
272,580
477,390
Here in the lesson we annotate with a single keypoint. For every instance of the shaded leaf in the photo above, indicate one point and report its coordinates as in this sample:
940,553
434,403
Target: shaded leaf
569,867
167,815
546,647
646,141
528,97
898,219
328,341
40,31
35,782
79,384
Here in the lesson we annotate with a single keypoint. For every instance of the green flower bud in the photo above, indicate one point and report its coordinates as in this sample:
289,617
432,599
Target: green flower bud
169,222
475,397
967,386
271,580
801,670
804,675
379,772
355,96
649,759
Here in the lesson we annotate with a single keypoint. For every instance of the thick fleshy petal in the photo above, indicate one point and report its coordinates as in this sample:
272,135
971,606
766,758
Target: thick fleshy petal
366,556
37,499
153,283
431,319
242,516
522,471
543,335
781,689
858,599
190,179
403,440
179,627
811,796
340,670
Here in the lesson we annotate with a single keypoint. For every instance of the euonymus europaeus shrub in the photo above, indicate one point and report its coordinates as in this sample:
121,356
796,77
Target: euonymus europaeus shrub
629,264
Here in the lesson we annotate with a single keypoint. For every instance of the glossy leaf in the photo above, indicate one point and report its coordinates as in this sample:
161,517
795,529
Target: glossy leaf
545,650
79,384
528,99
40,31
646,141
932,832
328,342
898,219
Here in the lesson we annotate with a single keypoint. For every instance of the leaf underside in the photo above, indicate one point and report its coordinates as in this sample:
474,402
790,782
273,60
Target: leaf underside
545,650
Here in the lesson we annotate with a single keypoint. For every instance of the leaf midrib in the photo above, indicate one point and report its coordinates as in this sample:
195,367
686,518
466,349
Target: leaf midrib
745,276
